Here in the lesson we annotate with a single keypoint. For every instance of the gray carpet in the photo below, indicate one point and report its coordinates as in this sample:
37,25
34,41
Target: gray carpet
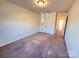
39,45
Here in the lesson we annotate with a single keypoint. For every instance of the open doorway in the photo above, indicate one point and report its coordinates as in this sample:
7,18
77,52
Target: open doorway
61,21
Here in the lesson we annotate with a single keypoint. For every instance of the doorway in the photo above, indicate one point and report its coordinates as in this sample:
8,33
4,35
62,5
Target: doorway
61,21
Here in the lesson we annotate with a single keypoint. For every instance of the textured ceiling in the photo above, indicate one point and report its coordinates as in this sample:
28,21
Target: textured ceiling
52,5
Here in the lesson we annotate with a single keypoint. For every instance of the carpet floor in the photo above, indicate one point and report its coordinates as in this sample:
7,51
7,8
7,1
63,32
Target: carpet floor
39,45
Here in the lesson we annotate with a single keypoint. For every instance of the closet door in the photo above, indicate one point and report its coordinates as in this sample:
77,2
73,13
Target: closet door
48,23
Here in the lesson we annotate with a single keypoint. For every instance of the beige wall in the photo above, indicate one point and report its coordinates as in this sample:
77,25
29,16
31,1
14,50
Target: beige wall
16,22
72,32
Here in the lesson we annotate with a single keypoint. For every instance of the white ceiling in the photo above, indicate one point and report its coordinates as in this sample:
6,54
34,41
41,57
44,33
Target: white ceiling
52,6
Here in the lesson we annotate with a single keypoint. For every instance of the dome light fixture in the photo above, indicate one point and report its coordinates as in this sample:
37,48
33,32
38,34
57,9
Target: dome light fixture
40,2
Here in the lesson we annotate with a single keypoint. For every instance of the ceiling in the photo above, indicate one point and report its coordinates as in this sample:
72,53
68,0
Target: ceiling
52,5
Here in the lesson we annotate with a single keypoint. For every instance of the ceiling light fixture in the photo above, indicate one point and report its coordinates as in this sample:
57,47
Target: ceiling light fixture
40,2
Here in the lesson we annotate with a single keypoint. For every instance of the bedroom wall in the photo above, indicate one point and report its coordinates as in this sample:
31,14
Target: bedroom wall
16,22
72,31
48,22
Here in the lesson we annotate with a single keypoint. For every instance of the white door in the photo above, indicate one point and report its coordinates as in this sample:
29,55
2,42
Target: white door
48,23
